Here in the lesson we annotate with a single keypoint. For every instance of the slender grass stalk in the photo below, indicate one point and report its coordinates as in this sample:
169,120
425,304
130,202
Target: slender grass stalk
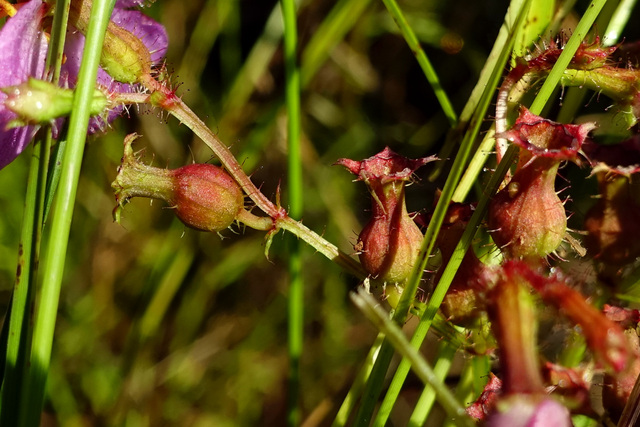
54,261
296,288
167,288
211,21
19,333
358,384
428,396
472,381
428,70
23,289
568,51
488,70
618,22
371,308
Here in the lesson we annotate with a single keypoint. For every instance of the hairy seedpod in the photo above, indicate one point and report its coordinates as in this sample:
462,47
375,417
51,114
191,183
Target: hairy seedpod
203,196
527,217
389,244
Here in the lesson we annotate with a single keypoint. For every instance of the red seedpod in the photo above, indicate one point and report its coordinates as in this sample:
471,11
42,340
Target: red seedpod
527,218
390,242
203,196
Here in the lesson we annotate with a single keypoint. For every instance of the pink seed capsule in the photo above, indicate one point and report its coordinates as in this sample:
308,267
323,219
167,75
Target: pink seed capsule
204,196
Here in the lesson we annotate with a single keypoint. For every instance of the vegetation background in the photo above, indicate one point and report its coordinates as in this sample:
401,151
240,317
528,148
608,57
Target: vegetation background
163,325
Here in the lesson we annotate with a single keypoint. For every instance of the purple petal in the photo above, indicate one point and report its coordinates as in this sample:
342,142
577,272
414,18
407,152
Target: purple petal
124,4
23,47
152,34
23,50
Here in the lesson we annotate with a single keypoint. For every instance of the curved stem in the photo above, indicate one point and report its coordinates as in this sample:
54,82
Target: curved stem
278,216
182,112
321,245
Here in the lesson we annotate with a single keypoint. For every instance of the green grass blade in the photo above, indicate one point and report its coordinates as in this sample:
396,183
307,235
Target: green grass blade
18,324
371,308
539,17
428,396
333,29
296,288
358,384
568,51
55,256
428,70
618,21
19,320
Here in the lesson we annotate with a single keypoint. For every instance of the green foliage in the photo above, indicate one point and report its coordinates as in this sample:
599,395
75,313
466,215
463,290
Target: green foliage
158,324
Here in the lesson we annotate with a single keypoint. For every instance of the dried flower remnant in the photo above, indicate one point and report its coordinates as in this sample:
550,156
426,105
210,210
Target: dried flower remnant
527,218
23,47
389,244
203,196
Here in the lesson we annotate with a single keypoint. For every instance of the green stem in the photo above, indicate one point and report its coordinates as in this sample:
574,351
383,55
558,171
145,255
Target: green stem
295,301
19,322
445,354
358,384
425,403
28,254
618,22
567,54
54,261
371,308
279,216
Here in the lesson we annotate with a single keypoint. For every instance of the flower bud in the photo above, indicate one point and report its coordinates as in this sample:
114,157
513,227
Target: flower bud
390,242
37,101
124,55
204,196
527,216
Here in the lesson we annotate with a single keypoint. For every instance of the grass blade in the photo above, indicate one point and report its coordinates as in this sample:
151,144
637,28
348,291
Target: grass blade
54,261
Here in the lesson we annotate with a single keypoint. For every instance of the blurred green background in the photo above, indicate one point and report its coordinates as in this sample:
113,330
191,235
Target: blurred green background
163,325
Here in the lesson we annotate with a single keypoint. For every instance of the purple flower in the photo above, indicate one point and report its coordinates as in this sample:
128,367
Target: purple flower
23,48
